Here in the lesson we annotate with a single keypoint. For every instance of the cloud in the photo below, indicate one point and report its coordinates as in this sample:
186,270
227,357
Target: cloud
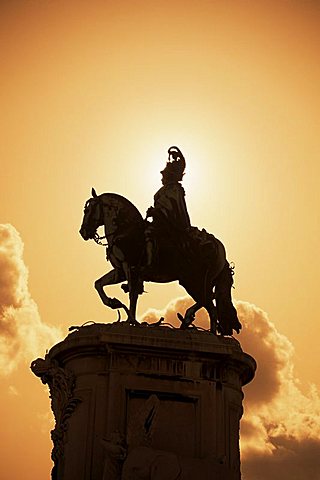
170,313
280,429
23,335
13,391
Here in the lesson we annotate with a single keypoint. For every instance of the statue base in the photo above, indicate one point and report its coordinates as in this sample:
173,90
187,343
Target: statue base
145,403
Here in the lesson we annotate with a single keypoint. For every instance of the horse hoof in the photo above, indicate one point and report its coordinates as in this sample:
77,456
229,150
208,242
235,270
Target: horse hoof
183,325
186,321
134,323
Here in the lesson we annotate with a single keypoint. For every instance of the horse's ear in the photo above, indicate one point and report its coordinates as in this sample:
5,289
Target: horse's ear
94,193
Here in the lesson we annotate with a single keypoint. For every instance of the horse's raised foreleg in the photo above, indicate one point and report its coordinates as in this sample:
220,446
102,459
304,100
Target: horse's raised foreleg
111,278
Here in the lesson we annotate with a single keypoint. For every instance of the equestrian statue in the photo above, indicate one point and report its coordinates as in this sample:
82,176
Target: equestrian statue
162,248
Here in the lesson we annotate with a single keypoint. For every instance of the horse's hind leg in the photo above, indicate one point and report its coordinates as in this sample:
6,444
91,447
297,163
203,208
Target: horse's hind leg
189,315
212,311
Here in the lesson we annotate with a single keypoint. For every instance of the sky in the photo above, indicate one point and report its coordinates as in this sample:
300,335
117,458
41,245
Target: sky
92,95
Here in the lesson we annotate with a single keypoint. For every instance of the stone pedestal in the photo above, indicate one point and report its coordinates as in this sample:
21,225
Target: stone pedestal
145,403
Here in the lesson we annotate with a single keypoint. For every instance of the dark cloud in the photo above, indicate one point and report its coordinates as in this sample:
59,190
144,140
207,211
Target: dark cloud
22,333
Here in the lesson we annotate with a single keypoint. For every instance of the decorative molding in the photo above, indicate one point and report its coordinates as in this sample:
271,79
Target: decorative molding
61,383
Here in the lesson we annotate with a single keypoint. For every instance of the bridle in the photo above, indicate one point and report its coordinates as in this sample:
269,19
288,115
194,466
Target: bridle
98,239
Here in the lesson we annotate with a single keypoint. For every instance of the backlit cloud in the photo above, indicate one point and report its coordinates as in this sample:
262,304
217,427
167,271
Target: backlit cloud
280,430
23,335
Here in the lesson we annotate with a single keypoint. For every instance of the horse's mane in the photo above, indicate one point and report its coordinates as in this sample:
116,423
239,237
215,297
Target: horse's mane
128,212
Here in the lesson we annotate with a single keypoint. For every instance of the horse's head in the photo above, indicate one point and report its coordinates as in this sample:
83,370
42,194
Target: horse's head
92,217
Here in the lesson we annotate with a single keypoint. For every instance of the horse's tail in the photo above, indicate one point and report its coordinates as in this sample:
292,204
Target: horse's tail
226,312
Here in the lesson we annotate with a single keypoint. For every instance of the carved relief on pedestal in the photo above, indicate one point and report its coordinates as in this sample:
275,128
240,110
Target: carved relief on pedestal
61,383
115,454
147,363
141,461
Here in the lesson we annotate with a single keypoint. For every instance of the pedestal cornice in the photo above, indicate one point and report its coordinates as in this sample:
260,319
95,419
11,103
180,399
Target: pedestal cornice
162,341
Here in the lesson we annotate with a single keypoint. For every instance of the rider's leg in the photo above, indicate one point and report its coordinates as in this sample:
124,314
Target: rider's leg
149,253
149,244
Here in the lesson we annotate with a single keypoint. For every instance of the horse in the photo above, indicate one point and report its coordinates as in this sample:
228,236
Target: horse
200,267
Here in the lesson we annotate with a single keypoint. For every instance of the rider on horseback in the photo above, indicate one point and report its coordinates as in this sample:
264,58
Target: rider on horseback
169,213
175,251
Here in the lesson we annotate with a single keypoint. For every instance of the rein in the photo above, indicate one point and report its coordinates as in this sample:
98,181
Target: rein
99,239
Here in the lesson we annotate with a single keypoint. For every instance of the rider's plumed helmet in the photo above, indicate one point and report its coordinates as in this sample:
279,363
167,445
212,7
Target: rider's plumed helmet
175,167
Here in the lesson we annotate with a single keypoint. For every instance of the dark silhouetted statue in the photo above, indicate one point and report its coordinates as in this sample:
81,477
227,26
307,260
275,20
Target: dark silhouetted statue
165,249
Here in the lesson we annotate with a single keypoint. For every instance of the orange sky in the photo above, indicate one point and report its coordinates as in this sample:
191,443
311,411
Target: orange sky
93,94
